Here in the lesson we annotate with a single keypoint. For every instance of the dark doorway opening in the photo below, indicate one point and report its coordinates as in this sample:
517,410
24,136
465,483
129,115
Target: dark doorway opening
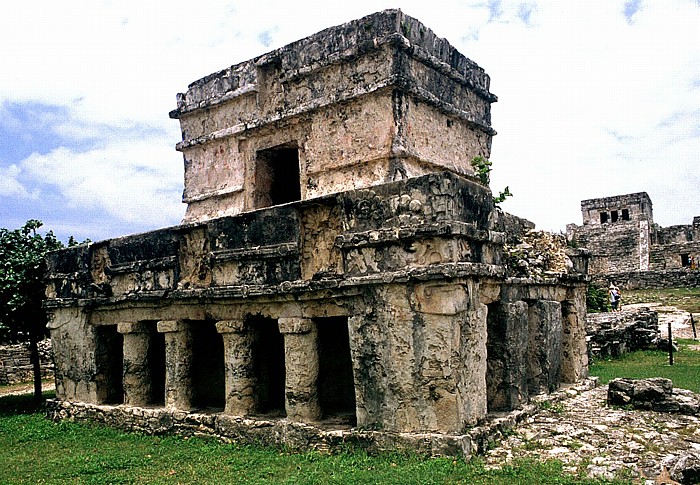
625,214
277,176
685,260
268,362
603,217
156,364
336,386
109,365
208,386
613,216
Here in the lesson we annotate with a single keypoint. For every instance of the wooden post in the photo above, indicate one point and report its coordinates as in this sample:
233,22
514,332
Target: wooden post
692,323
670,345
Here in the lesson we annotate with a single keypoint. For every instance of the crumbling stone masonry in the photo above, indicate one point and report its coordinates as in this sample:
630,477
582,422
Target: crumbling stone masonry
16,365
614,334
630,249
338,265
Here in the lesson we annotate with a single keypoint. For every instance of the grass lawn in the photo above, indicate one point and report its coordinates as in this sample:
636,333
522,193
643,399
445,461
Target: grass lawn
36,450
685,371
687,299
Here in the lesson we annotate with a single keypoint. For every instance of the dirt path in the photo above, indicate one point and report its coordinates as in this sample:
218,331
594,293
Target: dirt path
25,388
679,319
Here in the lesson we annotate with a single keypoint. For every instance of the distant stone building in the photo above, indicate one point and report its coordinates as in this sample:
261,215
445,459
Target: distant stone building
338,262
628,248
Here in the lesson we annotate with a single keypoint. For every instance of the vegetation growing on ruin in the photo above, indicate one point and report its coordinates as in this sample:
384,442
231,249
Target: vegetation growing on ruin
685,371
82,453
482,170
597,299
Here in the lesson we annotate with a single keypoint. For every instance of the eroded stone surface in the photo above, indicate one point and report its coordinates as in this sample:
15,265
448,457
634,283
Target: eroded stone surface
632,251
338,263
598,440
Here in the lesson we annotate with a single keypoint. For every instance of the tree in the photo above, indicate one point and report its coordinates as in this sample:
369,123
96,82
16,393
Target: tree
22,268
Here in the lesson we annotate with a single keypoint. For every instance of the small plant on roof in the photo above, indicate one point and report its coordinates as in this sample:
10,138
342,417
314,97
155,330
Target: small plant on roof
482,170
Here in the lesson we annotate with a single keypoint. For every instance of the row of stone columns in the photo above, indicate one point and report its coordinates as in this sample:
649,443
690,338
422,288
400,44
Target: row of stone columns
300,357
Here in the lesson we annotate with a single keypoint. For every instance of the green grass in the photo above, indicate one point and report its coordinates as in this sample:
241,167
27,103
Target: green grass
36,450
685,371
687,299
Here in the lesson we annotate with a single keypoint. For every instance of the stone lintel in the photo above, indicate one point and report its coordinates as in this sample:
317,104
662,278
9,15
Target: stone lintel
167,326
294,325
230,326
132,327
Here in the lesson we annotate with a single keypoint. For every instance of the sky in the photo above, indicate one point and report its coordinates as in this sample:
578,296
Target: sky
595,98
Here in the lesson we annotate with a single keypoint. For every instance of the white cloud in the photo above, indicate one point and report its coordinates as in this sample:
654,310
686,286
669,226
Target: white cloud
132,181
10,186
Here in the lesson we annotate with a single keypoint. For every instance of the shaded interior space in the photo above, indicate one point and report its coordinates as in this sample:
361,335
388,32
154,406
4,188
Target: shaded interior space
156,364
603,217
109,365
208,385
613,216
336,386
268,365
495,360
625,214
685,260
277,178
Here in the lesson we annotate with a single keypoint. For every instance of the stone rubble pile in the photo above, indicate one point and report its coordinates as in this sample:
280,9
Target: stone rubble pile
656,394
614,334
538,254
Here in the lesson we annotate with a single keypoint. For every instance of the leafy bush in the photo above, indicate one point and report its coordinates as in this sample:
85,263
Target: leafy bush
597,299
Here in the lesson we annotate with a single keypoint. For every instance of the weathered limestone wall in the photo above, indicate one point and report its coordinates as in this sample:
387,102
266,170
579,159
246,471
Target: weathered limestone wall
339,264
600,211
623,246
16,365
680,278
74,355
385,100
414,283
419,358
622,238
676,255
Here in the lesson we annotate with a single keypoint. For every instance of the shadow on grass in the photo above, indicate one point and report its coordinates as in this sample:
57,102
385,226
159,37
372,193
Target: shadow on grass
22,404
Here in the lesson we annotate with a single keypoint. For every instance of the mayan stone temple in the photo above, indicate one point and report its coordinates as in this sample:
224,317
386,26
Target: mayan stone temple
340,274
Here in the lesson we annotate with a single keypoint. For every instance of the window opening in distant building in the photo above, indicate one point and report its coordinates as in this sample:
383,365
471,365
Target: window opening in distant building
603,217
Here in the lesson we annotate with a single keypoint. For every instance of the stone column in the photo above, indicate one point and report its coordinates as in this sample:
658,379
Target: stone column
301,368
507,341
574,366
137,376
178,364
240,379
544,348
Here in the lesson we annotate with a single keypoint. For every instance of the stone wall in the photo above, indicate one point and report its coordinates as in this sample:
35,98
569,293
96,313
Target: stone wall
614,334
633,280
360,104
16,365
622,238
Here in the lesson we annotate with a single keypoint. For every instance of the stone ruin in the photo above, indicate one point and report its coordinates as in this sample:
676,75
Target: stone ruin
632,251
612,334
339,266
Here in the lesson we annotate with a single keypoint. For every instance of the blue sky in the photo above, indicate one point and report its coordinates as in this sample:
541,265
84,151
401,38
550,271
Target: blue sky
596,98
